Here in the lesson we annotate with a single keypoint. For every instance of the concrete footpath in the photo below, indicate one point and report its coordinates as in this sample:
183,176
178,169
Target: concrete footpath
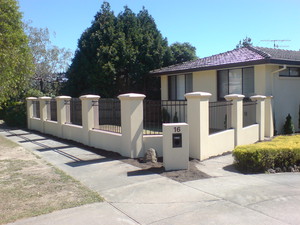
226,198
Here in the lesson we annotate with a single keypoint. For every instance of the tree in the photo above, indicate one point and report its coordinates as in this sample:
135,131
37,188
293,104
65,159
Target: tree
16,65
182,52
244,43
50,61
115,54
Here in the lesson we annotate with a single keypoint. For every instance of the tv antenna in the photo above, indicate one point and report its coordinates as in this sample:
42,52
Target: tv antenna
275,43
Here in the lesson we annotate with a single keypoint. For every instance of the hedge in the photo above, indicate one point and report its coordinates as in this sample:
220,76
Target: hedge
282,151
15,114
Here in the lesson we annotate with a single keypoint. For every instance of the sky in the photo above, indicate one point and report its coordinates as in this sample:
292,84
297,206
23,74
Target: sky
212,26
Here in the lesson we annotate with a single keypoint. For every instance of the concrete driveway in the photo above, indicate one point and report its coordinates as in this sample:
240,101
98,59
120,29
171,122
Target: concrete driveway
226,198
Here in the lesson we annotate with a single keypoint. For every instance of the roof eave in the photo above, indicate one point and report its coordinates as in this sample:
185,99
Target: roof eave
223,66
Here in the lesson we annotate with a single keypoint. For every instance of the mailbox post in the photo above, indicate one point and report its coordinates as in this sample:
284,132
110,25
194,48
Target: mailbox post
175,146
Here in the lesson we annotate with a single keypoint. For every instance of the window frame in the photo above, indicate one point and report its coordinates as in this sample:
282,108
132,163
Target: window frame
289,71
221,98
176,85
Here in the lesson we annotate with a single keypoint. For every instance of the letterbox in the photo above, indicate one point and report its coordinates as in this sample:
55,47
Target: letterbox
175,146
177,140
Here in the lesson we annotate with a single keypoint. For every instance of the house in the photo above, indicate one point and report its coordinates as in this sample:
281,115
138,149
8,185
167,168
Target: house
248,71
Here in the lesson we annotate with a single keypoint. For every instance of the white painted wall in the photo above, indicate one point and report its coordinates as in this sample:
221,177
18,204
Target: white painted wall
106,140
249,134
73,132
286,92
36,124
154,141
51,127
206,81
219,143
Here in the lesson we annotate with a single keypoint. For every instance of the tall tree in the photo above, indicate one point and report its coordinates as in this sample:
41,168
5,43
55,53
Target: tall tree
50,61
116,52
182,52
244,43
16,65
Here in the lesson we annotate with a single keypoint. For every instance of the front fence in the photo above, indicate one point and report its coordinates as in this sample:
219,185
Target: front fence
75,111
110,115
249,113
53,110
157,112
219,116
36,109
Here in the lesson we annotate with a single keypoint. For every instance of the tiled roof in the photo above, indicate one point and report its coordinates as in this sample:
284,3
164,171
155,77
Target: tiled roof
241,56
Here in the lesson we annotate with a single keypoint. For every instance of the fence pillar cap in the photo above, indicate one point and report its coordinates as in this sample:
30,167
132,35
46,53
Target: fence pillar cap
200,95
45,98
269,97
234,97
257,97
133,96
91,97
31,98
63,97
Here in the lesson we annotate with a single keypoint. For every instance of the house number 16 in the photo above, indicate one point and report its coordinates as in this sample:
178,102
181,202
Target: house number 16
176,129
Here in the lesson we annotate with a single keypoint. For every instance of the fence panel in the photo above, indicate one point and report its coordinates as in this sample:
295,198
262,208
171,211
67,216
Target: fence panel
219,116
76,111
249,113
36,109
110,115
158,112
53,110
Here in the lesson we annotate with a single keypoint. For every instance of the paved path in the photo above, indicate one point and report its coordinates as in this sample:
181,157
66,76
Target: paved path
227,198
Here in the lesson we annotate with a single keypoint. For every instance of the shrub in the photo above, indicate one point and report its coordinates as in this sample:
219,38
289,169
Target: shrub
288,127
282,151
15,114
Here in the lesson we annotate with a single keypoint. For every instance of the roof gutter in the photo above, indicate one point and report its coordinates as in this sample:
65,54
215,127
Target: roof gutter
277,71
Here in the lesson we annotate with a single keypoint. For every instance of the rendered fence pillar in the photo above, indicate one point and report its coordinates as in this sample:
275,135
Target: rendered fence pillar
260,114
198,121
88,115
30,109
269,123
132,124
63,112
44,111
236,116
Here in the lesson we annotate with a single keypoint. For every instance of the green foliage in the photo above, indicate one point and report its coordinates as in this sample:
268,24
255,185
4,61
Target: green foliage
182,52
16,65
34,93
244,43
115,54
288,127
282,151
15,114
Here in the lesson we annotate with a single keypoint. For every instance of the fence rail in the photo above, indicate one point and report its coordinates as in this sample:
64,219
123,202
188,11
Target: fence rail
36,109
158,112
75,111
53,110
249,113
109,115
219,116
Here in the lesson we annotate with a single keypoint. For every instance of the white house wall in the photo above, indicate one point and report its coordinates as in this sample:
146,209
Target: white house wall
206,81
286,92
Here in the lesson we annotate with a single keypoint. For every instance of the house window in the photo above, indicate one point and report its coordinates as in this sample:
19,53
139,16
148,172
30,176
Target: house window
290,72
178,85
236,81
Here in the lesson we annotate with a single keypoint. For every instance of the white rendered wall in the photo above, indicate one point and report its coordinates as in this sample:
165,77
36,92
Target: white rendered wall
106,140
155,142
